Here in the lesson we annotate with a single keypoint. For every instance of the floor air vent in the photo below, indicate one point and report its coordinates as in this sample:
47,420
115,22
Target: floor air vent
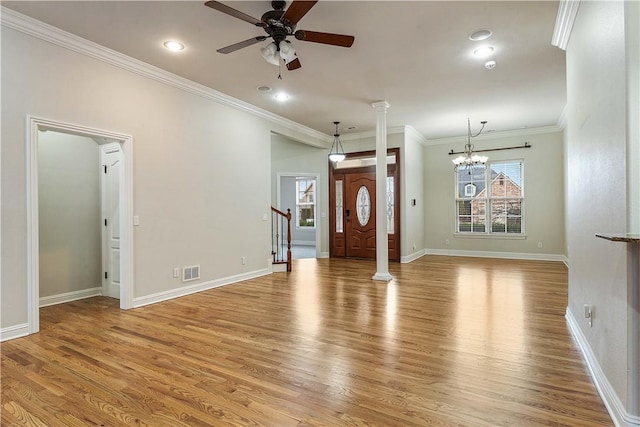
190,273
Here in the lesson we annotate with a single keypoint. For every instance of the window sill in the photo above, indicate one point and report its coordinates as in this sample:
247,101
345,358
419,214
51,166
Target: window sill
490,236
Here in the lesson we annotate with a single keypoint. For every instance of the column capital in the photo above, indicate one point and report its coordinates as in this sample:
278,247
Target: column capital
380,105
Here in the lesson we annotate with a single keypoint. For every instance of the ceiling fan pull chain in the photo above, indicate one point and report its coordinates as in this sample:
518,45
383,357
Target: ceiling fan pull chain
279,70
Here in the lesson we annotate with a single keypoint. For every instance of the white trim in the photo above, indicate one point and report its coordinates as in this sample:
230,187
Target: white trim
34,125
496,135
500,255
412,257
303,242
565,260
372,133
410,130
13,332
70,296
323,255
611,400
382,277
562,120
198,287
503,236
27,25
567,11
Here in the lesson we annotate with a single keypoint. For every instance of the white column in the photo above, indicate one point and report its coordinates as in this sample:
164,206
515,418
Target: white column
382,244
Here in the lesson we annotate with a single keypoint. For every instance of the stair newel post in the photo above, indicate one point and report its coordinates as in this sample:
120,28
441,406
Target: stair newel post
288,239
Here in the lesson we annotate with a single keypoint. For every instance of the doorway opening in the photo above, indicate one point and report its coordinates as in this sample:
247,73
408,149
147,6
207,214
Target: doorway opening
352,201
42,135
300,193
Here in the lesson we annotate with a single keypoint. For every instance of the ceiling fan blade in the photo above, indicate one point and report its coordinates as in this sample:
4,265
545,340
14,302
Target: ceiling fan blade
297,9
233,12
326,38
240,45
294,65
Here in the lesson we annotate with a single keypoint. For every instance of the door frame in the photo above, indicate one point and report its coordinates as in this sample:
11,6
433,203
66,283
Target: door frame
34,126
332,195
319,211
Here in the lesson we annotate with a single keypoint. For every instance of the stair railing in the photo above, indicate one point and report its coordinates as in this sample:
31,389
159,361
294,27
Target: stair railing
280,232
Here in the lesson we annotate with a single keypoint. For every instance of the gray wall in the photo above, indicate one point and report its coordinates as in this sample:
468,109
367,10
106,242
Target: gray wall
543,197
595,139
69,208
192,156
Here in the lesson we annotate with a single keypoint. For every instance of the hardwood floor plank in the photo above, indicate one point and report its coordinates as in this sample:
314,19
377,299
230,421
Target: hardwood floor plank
448,342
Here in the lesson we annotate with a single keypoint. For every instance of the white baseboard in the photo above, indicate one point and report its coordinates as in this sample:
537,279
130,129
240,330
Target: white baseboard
303,242
323,255
70,296
504,255
13,332
412,257
197,287
279,268
565,260
610,398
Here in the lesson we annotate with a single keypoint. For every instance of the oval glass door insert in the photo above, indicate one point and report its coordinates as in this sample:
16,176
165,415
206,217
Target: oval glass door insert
363,205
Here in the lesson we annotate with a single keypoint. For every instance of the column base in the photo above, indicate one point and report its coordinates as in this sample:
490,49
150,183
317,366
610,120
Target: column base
383,277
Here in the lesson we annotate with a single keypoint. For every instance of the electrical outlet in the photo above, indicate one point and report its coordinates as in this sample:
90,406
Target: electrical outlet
539,244
176,272
243,260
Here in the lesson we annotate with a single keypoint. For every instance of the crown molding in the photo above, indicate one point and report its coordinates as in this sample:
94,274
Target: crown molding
567,11
371,133
38,29
496,135
410,130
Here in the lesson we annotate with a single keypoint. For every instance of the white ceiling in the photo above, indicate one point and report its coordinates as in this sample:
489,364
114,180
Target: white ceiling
415,55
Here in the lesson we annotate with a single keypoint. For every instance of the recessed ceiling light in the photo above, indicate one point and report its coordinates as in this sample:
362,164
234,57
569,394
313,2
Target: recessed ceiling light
483,52
264,89
476,36
173,45
490,65
281,96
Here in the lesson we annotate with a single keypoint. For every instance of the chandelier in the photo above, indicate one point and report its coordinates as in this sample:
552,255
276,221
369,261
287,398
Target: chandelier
336,155
469,158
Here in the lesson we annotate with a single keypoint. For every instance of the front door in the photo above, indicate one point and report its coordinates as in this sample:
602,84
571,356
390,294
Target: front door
352,201
360,215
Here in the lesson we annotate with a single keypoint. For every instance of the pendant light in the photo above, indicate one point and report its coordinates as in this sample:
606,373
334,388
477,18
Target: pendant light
336,155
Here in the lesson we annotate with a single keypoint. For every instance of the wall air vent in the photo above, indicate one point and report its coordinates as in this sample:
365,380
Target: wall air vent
190,273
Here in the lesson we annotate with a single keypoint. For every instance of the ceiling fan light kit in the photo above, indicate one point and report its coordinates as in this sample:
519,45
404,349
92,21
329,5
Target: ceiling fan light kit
280,24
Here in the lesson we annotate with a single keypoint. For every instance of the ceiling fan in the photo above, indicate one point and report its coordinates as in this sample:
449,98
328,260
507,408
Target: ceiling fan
280,24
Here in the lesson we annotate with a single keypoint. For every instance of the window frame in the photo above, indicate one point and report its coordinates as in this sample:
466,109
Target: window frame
489,201
306,204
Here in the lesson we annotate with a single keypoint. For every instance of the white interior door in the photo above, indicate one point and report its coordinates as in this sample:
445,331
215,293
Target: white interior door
111,165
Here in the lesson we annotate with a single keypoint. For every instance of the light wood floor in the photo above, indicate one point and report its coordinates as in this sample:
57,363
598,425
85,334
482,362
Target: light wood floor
451,341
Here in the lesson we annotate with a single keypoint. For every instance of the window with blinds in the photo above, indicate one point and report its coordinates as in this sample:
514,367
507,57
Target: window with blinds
490,198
